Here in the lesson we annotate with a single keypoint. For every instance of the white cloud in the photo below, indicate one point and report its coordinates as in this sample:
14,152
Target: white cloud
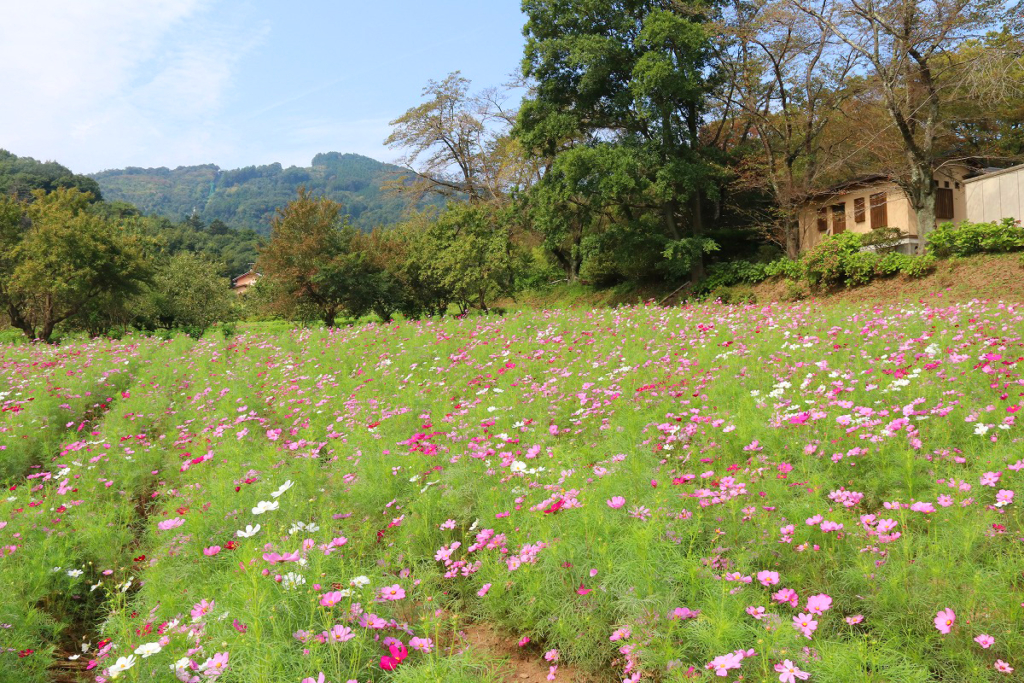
119,80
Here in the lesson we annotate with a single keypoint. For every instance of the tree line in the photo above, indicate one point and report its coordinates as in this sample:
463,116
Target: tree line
657,137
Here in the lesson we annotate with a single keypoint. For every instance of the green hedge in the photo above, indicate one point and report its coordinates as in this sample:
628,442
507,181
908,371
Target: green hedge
977,238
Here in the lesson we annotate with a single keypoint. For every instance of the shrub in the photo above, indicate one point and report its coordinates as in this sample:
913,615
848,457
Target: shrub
827,263
977,238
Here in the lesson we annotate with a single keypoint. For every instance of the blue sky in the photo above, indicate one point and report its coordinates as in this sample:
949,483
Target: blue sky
101,84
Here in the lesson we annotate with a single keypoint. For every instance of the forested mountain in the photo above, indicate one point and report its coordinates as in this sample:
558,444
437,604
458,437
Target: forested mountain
248,197
20,175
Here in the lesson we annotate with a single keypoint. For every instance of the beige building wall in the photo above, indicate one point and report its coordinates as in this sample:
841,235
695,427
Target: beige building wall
899,213
995,196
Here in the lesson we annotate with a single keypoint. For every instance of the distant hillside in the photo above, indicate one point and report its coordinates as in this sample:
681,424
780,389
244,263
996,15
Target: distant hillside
248,197
20,175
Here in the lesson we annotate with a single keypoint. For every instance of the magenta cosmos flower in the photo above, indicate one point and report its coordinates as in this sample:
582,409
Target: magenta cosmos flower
944,620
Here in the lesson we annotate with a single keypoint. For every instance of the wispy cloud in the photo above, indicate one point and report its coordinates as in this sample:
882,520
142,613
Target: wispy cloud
135,75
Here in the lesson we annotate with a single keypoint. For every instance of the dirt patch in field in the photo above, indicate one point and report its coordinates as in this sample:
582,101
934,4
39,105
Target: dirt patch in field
519,665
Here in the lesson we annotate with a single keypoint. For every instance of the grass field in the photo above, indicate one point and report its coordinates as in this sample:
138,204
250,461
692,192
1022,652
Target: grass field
761,493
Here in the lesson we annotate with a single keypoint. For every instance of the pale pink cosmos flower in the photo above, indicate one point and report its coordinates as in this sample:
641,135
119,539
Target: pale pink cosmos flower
551,655
723,663
319,679
756,612
789,672
215,665
211,551
1004,497
768,578
339,634
855,619
424,645
168,524
483,590
615,502
985,640
944,620
1003,666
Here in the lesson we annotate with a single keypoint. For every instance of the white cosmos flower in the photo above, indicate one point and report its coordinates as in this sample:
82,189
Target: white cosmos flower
265,506
282,488
74,573
518,467
148,650
291,581
360,581
249,531
121,665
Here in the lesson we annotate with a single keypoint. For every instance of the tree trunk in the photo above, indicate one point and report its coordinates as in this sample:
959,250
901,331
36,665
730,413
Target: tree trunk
329,318
697,267
922,199
791,226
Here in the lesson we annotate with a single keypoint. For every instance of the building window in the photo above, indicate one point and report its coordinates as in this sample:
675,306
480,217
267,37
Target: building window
822,219
838,218
944,204
858,210
879,213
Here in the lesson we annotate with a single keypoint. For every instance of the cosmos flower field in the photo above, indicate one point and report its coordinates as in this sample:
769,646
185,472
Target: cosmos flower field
760,493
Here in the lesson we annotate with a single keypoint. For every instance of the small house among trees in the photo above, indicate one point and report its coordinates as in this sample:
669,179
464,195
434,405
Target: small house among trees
241,283
872,202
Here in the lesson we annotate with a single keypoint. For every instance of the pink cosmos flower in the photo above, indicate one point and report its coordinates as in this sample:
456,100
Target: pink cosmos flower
789,672
1004,497
805,623
786,595
620,634
1003,666
756,612
201,609
483,590
990,478
524,641
615,502
985,640
819,604
551,655
330,599
855,619
683,613
394,592
319,679
944,620
768,578
215,665
211,551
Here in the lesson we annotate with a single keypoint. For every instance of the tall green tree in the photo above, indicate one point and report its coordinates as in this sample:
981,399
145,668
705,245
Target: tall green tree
626,83
310,260
58,258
